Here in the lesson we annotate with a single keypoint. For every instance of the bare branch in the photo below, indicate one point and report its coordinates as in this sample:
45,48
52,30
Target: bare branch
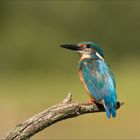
63,110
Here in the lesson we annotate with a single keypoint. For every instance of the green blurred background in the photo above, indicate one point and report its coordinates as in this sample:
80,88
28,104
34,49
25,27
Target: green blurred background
36,73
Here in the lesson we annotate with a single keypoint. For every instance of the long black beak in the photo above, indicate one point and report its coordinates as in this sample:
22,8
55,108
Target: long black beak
71,47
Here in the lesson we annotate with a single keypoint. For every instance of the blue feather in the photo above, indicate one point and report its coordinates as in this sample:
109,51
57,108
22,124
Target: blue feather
100,82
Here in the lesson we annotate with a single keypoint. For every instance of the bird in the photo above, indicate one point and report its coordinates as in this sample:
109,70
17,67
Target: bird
96,75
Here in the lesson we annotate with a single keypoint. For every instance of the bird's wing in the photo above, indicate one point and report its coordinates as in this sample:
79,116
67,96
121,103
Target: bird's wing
112,76
101,84
92,80
98,81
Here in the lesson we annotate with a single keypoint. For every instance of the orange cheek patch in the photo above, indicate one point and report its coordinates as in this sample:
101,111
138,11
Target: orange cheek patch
82,45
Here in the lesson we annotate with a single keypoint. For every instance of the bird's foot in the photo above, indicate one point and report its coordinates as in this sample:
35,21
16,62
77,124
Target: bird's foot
100,105
90,101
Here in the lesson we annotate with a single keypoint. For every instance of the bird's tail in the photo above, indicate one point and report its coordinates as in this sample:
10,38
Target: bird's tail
110,111
110,108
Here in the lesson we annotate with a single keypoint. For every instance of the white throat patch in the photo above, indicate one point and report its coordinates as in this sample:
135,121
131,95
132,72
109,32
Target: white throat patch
84,56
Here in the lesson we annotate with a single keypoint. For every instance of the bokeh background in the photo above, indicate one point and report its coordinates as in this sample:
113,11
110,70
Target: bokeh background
36,73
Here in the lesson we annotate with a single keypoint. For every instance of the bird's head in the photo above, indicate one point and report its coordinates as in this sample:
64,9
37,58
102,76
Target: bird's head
87,49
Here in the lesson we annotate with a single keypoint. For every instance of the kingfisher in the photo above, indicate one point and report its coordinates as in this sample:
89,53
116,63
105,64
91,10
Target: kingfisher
96,76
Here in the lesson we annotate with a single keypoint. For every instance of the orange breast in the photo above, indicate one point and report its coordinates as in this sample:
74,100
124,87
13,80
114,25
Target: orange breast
84,84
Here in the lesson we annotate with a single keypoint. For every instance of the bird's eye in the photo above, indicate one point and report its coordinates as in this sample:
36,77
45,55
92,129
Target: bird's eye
88,46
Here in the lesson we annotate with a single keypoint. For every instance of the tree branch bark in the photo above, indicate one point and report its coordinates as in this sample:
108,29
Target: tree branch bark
63,110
